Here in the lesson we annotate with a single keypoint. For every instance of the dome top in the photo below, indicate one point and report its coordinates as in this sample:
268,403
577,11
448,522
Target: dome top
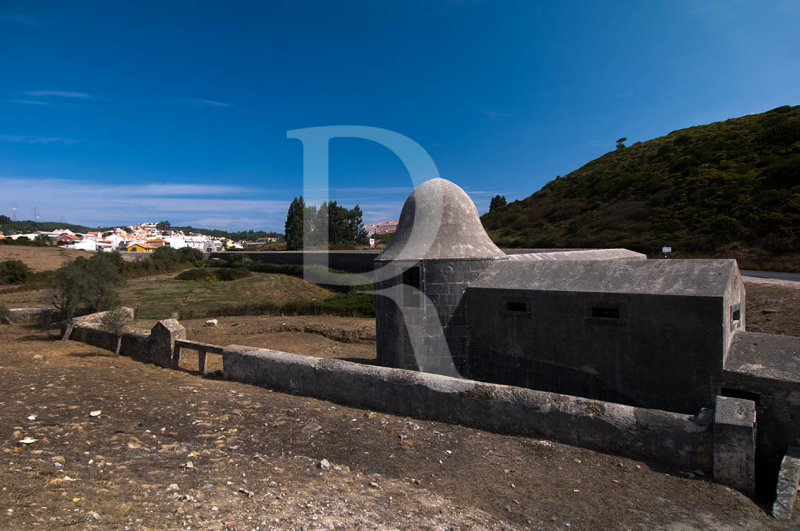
440,221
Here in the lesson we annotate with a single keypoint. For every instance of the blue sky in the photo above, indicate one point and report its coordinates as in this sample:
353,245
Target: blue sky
119,112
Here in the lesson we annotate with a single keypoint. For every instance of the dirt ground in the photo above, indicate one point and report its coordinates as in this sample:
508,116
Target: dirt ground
41,258
98,442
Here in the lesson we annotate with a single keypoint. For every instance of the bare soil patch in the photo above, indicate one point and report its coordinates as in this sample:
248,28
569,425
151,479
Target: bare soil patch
41,258
118,444
773,306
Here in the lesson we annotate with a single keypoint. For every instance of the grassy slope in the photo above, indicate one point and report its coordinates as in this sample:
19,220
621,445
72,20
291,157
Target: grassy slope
161,296
725,189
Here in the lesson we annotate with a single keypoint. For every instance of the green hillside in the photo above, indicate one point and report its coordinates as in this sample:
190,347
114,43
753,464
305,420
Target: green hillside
727,189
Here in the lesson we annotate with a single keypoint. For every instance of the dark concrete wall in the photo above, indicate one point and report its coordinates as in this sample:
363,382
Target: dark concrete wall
666,437
766,369
662,352
435,322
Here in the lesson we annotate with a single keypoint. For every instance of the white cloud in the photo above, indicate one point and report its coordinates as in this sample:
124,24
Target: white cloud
29,102
205,102
59,94
216,103
100,204
38,139
494,114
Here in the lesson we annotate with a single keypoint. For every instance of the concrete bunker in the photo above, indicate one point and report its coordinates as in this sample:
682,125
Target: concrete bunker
601,324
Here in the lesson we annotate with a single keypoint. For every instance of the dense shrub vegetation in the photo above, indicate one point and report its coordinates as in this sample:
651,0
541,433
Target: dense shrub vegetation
703,190
214,274
14,272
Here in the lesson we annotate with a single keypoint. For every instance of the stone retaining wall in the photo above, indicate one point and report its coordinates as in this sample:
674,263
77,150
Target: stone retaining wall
672,438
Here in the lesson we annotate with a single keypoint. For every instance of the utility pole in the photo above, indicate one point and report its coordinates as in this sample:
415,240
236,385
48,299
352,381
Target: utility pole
14,212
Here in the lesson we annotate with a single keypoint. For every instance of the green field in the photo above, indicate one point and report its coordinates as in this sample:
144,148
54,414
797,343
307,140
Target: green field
160,296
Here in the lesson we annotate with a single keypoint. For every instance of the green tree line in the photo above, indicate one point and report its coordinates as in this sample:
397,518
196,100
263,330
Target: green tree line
306,225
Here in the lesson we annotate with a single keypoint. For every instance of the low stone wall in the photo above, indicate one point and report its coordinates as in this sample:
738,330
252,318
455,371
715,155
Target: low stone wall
672,438
134,344
156,347
33,315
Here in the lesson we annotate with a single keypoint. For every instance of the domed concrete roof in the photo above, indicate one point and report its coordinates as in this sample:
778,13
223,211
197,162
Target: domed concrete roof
440,221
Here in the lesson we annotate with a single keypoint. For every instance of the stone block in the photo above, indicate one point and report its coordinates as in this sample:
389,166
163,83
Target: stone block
735,443
162,342
788,480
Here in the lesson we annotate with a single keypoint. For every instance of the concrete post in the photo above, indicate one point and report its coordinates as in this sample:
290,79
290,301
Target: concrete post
162,342
735,443
788,480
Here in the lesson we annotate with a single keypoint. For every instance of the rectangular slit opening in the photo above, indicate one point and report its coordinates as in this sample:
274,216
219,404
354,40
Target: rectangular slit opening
516,306
605,312
411,295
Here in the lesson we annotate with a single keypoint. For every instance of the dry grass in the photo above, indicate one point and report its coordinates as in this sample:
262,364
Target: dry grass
41,258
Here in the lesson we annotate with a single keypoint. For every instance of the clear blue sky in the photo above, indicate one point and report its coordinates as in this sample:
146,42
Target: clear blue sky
119,112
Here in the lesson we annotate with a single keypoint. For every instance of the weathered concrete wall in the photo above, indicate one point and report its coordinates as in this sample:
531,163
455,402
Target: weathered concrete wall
661,352
766,368
156,347
134,344
33,315
667,437
788,480
735,443
425,332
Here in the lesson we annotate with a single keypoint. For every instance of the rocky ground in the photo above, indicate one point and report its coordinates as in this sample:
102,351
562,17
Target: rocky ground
97,442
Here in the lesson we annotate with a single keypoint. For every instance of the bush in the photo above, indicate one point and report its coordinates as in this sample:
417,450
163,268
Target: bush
85,285
213,274
5,314
14,272
163,258
189,255
342,304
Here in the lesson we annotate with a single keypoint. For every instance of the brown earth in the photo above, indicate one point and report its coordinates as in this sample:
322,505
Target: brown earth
171,449
41,258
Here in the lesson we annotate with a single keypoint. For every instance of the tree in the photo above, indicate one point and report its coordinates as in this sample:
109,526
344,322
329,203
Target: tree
116,321
163,258
621,143
4,219
190,255
498,201
294,224
163,225
84,285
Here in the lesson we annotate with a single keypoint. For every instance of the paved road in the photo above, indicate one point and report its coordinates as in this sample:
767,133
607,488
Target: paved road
771,274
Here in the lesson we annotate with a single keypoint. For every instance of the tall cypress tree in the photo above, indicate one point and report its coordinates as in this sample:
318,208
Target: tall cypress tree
294,224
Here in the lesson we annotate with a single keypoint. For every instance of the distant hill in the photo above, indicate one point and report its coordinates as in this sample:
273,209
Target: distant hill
16,227
727,189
